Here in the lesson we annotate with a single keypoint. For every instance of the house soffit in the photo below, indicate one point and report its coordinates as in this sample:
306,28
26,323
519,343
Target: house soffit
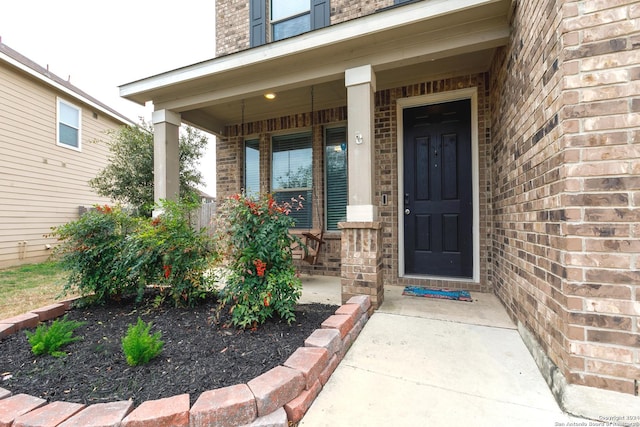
424,39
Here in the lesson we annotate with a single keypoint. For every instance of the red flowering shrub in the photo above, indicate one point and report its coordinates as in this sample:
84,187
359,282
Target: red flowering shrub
90,249
109,254
167,251
253,236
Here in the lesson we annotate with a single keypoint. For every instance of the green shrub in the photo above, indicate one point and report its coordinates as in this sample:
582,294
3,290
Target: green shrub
48,339
254,237
167,251
90,249
109,254
139,346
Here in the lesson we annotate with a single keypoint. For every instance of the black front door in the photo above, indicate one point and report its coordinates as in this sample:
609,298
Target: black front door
438,212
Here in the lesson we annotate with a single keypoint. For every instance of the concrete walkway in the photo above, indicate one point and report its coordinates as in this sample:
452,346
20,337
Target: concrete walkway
425,362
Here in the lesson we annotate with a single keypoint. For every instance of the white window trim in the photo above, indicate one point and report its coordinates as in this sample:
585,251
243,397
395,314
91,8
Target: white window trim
61,144
454,95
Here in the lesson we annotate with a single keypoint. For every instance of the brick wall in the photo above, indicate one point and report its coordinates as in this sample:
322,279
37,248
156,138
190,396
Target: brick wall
362,261
232,20
565,170
602,191
526,163
232,26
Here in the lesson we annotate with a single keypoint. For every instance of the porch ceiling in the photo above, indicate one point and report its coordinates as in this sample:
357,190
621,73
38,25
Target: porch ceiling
423,40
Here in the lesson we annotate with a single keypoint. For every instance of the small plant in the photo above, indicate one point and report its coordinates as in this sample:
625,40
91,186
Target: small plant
48,339
139,345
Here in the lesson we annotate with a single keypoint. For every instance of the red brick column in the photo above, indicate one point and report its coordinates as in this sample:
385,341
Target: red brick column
362,261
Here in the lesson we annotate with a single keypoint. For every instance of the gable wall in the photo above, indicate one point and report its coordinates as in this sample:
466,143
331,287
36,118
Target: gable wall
42,185
232,20
565,185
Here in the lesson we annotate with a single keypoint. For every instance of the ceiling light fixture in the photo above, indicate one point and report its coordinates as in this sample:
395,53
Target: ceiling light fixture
270,96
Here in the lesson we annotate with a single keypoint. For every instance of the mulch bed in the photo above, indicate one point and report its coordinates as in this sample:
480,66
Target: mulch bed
200,353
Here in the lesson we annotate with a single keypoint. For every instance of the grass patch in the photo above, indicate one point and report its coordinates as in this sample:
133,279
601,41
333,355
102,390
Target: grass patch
28,287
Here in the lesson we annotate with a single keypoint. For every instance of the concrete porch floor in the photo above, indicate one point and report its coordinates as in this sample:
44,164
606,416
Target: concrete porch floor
421,361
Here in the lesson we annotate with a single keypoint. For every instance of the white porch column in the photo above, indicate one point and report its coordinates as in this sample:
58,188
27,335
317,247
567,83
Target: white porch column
361,86
166,164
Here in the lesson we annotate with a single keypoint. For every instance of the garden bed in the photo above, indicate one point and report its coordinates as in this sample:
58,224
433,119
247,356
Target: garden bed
200,353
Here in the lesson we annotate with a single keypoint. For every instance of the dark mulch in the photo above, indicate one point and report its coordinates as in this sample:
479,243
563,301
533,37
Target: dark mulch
199,354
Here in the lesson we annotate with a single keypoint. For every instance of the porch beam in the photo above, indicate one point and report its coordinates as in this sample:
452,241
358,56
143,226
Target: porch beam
361,86
203,121
166,163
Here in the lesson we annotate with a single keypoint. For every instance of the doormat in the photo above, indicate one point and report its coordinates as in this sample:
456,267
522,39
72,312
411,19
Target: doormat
417,291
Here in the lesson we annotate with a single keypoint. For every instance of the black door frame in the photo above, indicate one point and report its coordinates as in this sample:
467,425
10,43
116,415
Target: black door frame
456,95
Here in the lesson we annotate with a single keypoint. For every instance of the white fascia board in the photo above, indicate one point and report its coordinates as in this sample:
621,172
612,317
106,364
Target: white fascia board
61,88
367,25
487,37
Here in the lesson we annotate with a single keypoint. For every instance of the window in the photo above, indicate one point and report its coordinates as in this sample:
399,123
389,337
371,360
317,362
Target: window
287,18
252,167
68,125
291,174
336,176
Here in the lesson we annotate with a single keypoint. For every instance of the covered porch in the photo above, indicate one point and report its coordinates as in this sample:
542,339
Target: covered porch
361,75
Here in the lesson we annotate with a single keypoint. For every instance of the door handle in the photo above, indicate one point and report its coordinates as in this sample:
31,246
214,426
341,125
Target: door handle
407,211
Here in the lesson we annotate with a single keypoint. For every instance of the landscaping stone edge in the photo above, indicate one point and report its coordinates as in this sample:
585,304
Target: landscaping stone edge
286,391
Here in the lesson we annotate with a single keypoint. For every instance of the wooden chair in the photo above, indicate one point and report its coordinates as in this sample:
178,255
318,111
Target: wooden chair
313,241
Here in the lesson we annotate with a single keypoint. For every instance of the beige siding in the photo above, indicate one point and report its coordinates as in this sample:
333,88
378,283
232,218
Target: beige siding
42,184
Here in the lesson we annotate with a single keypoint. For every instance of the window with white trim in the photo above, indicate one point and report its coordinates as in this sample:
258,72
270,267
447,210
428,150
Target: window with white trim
337,184
69,125
292,174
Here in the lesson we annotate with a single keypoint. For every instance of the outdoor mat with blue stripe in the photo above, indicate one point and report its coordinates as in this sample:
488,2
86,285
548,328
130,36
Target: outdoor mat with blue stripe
417,291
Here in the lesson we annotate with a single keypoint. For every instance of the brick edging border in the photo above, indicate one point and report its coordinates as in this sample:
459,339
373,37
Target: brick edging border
275,398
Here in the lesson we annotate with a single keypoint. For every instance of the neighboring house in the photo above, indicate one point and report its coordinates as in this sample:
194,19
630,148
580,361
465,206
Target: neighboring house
490,145
48,153
204,197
